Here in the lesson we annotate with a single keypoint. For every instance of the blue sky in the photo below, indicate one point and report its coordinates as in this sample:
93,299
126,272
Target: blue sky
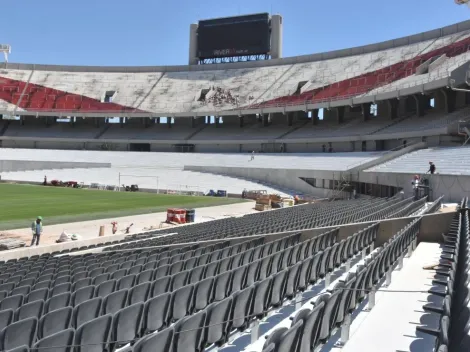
156,32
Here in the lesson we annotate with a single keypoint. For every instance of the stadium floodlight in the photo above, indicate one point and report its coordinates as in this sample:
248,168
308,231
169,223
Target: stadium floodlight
5,49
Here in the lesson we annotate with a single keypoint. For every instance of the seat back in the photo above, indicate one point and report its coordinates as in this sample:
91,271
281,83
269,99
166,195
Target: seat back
29,310
114,302
86,311
61,341
156,313
93,336
55,321
193,328
126,325
21,333
160,342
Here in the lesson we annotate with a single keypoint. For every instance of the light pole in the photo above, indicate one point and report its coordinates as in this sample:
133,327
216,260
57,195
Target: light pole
5,49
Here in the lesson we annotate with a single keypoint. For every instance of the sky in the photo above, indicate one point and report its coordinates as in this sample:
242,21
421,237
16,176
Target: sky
156,32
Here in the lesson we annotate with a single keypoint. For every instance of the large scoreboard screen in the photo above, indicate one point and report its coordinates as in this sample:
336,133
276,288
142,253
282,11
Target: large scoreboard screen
234,36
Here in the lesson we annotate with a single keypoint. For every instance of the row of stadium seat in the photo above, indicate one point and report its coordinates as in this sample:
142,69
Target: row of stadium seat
310,327
453,334
280,271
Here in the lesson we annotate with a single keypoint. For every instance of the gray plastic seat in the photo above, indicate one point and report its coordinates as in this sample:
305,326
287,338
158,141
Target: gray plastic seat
242,302
192,338
21,333
30,310
160,342
203,294
61,341
285,340
105,288
126,325
179,280
12,302
144,276
99,279
6,317
182,302
114,301
222,285
329,314
93,336
86,311
218,316
57,302
81,283
21,290
83,294
119,274
161,285
139,293
126,282
59,289
196,274
55,321
311,327
156,313
261,297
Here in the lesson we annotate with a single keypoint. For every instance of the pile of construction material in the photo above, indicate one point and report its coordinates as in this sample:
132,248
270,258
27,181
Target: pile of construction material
10,243
272,201
263,202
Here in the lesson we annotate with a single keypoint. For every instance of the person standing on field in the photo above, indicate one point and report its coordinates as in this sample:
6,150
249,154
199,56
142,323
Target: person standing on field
36,227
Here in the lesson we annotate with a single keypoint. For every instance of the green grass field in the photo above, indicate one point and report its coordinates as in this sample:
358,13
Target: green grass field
21,204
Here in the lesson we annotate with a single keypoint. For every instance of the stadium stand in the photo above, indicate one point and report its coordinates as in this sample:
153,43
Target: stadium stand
312,161
179,90
429,122
449,161
201,294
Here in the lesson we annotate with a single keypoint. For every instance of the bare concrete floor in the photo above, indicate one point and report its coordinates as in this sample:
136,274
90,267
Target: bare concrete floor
90,229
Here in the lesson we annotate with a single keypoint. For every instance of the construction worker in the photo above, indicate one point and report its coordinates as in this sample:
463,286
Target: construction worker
36,227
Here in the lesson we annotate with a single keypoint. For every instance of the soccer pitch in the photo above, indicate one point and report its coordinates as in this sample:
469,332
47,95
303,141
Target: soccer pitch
21,204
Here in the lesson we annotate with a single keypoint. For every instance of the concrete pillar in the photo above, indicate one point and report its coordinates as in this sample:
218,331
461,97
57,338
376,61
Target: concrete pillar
290,118
193,122
422,102
339,111
241,121
97,121
365,111
265,120
315,117
157,120
148,121
217,121
168,121
392,109
450,99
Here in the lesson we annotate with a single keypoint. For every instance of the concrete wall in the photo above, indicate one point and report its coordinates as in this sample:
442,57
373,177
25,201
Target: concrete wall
452,187
26,165
281,177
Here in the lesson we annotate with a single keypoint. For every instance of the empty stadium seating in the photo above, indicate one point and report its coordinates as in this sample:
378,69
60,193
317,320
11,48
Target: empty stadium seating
448,161
144,290
452,333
